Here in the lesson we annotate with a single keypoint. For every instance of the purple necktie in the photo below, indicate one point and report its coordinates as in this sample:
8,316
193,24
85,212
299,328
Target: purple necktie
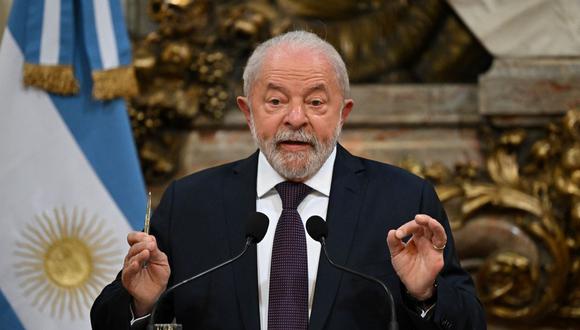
288,302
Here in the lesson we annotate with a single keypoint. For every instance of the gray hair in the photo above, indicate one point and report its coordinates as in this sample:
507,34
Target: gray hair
302,39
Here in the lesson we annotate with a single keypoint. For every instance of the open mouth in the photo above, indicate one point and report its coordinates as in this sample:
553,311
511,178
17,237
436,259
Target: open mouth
292,144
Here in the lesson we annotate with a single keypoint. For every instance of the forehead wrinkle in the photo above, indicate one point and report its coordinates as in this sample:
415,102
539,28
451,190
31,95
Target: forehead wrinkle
306,88
294,72
318,87
277,87
315,64
308,83
284,71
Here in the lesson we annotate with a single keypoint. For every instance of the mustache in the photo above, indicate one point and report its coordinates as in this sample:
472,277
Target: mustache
300,135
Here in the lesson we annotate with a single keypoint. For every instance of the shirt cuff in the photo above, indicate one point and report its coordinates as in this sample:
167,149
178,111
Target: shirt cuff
425,309
133,319
427,312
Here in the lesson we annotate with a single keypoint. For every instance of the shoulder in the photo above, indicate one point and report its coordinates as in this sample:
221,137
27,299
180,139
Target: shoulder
389,171
383,174
389,177
400,187
213,177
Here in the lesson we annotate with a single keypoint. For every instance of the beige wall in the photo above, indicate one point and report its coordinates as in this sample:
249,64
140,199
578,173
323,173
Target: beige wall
4,11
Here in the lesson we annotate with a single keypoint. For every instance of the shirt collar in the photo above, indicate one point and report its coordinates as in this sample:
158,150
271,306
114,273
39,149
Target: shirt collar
268,178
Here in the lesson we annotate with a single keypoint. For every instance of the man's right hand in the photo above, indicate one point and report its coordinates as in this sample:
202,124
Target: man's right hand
144,283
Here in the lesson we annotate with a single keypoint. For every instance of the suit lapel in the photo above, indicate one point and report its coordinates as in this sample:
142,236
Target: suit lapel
346,197
240,201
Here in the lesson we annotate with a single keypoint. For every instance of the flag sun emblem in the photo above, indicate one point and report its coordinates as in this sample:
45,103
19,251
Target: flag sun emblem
64,260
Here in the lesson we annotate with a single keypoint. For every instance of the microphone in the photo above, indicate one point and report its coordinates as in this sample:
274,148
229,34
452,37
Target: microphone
256,228
318,230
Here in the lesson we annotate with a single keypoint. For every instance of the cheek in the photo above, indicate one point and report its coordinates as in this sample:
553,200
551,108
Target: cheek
324,128
266,127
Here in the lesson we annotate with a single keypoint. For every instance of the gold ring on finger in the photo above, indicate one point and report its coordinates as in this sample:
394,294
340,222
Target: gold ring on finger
440,248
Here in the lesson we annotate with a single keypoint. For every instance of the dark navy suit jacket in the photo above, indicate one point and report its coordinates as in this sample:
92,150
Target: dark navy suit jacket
200,223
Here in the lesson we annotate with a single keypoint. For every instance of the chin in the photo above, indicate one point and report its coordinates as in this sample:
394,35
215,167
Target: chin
297,169
294,165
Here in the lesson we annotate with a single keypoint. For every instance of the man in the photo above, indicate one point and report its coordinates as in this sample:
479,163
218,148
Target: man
296,101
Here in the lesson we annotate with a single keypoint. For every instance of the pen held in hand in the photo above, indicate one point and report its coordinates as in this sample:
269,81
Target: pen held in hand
147,214
147,220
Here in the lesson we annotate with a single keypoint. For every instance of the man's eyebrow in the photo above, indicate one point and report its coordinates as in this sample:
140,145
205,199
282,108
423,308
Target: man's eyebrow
276,87
317,87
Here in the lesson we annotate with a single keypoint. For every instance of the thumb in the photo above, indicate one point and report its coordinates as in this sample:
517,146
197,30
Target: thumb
395,245
157,256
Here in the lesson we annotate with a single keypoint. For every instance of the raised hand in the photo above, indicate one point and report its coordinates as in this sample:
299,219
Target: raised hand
145,272
418,261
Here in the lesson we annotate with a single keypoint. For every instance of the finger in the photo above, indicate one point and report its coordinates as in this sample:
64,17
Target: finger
439,236
436,230
135,237
424,223
136,249
141,258
423,219
158,258
156,253
148,243
395,245
134,264
409,228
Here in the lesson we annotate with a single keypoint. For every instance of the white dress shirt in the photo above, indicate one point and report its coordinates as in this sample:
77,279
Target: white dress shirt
268,202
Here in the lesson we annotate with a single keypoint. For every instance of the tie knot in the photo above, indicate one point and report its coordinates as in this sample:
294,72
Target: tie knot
292,194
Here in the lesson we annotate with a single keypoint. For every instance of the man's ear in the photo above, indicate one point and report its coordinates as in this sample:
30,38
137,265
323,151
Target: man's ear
346,109
244,106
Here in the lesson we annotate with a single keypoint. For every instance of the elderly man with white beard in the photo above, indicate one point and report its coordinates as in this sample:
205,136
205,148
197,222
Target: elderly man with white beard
382,221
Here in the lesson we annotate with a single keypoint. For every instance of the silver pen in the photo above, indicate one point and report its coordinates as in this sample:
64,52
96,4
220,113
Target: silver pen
147,215
147,220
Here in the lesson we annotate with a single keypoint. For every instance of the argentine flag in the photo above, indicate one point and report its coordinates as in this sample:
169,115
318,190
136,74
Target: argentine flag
70,182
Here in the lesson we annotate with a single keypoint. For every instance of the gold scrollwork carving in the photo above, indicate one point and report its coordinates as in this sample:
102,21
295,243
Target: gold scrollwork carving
528,193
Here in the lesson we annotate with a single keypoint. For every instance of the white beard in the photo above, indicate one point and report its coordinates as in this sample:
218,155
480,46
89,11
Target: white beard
300,165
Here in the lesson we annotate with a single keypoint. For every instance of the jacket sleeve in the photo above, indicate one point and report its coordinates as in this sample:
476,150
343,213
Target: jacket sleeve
457,305
111,309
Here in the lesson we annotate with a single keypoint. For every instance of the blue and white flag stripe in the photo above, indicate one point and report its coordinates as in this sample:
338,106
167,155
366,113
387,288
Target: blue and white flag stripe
34,19
51,28
107,43
120,29
8,319
106,36
67,161
66,32
100,128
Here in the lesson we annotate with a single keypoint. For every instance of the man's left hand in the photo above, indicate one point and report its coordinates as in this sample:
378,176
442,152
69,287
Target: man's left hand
418,261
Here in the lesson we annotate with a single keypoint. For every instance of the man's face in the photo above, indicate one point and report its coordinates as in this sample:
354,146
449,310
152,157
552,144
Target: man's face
296,110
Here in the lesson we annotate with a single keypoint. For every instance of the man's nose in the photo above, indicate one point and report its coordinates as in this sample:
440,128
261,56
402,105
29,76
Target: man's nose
296,117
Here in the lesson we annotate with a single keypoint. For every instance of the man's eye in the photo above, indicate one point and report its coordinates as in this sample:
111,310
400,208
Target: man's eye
316,103
275,102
